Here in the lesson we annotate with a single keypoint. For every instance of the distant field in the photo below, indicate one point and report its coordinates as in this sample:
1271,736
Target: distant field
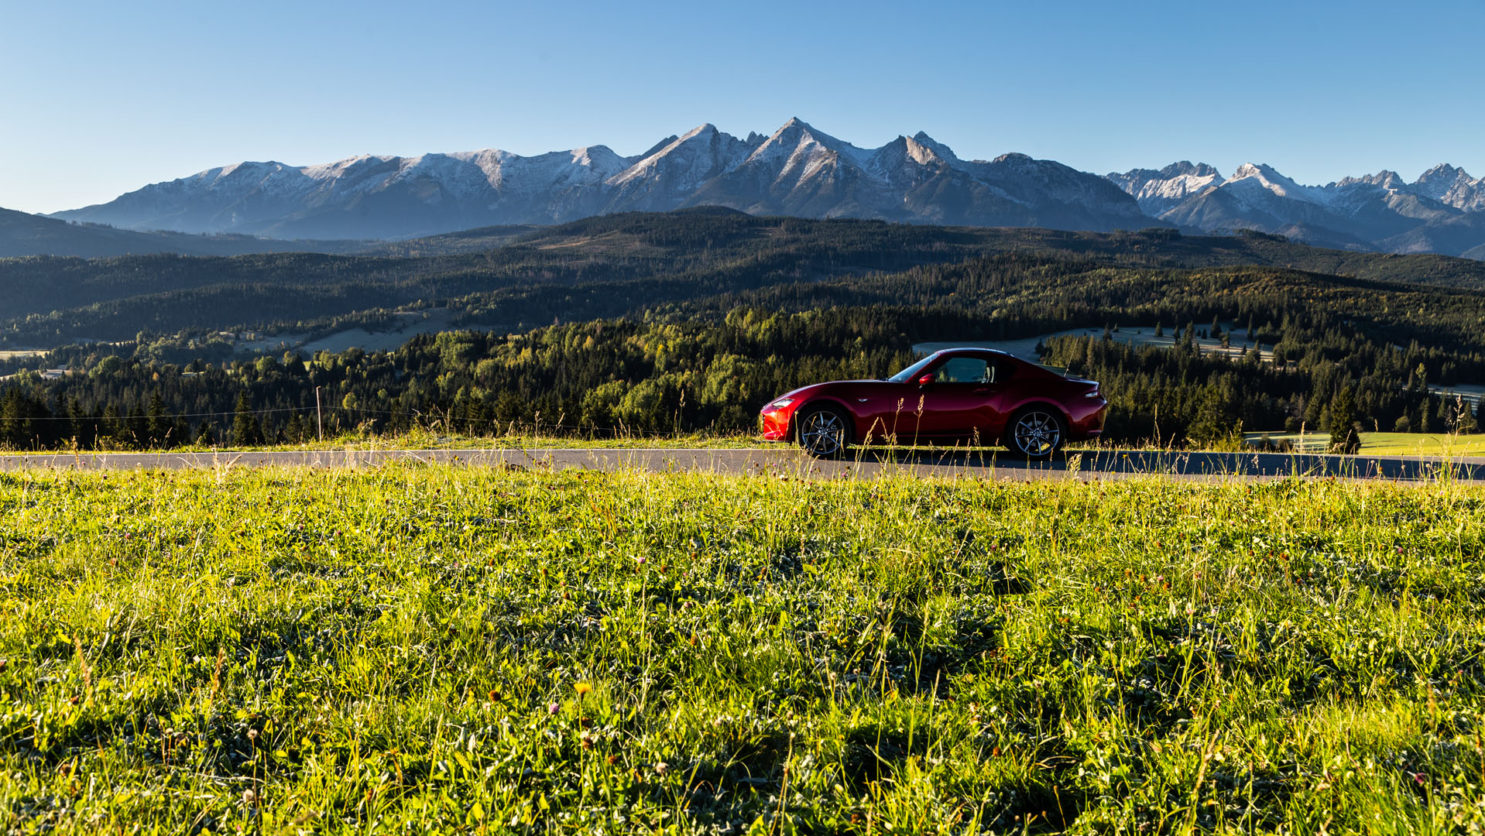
20,354
1138,336
416,649
1387,444
413,323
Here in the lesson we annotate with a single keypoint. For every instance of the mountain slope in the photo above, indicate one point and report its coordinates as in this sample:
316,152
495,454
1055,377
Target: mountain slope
798,170
22,234
624,261
1443,211
1158,191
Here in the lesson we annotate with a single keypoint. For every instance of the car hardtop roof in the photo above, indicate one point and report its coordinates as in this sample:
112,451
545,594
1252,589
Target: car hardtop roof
971,349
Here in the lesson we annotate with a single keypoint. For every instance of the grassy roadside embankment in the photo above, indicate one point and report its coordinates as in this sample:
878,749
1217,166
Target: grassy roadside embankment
421,649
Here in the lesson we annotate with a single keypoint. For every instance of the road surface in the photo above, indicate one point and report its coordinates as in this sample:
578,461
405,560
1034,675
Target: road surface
788,461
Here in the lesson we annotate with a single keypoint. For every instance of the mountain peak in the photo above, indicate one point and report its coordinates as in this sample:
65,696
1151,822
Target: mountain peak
796,170
1253,170
1158,191
704,129
1385,179
1185,167
938,148
1453,186
1267,178
1442,171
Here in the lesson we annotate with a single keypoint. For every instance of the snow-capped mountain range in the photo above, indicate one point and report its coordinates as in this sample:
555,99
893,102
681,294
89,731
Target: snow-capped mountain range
802,171
1443,211
797,170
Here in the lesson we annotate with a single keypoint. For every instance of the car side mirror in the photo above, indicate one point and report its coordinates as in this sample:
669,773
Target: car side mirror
925,379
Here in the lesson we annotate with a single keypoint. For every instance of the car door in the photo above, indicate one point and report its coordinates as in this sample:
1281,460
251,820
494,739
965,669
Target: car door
889,410
960,401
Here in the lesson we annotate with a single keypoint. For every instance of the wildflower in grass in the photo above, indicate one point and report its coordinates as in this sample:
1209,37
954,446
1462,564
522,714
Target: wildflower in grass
583,688
553,708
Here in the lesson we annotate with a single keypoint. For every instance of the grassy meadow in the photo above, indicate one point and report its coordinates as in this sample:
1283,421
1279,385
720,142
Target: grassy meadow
416,649
1436,445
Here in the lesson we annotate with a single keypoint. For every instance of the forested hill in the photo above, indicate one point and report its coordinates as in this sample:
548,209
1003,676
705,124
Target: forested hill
686,321
689,254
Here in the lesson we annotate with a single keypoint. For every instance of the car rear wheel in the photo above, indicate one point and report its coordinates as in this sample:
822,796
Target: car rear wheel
823,433
1036,432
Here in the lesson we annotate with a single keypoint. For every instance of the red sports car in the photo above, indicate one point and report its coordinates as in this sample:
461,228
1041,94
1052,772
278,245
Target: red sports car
973,395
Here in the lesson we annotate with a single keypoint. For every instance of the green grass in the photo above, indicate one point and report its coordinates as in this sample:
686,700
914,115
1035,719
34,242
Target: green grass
1423,444
1449,445
432,649
428,440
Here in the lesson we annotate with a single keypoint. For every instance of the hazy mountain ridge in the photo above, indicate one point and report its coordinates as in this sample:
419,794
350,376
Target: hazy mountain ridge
22,234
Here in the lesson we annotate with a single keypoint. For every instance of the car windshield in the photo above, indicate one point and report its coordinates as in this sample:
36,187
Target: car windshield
912,371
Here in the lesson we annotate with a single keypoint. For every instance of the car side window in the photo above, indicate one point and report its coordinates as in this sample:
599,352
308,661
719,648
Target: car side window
965,370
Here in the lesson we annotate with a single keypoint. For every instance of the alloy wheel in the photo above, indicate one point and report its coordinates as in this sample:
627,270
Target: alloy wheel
1037,433
823,433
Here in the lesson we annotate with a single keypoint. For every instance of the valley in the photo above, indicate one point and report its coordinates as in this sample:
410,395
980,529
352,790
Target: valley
678,323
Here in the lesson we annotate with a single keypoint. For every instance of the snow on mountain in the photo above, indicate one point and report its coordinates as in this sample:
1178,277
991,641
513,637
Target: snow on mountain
1377,211
1453,187
796,170
665,177
1157,191
1252,178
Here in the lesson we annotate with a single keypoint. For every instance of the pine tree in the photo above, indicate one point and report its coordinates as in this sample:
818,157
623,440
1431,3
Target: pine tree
155,426
245,429
1342,415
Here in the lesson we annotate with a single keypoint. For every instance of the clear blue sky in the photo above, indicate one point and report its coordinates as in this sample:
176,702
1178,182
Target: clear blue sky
99,98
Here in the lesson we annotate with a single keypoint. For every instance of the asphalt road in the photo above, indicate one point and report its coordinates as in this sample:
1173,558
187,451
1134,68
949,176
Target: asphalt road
788,461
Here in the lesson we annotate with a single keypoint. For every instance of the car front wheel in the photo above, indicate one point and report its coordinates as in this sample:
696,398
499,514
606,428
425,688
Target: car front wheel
823,433
1036,433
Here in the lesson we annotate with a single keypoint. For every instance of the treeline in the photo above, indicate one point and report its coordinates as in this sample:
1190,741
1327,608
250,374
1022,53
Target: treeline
1331,381
662,323
602,377
622,377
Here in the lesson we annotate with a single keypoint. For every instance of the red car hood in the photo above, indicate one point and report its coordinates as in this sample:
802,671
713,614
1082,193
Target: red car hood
811,389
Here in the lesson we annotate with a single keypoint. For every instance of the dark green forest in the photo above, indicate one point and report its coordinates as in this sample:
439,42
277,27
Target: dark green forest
655,324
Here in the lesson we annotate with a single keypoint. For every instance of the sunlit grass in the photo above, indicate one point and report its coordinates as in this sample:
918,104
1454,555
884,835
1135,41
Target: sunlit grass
1430,445
416,649
1423,444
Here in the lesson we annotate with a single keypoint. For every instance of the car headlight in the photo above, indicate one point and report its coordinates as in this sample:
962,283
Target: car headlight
780,403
